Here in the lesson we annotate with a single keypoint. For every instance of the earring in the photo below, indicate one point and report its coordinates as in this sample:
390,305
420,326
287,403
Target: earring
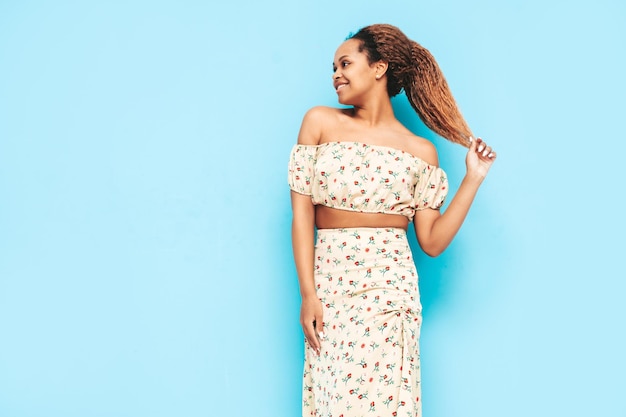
378,77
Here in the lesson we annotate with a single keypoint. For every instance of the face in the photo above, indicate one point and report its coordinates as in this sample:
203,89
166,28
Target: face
353,76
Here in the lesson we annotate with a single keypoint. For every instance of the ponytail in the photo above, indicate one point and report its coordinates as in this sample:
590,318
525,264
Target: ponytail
413,68
429,94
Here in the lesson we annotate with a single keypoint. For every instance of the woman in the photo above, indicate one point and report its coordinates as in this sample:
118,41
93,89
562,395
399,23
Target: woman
359,176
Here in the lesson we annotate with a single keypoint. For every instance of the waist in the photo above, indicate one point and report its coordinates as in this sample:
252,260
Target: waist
331,218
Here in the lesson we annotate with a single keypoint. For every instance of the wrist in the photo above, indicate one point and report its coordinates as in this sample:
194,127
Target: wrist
473,178
308,294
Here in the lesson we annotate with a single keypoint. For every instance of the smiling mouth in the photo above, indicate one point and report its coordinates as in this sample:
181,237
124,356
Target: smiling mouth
340,86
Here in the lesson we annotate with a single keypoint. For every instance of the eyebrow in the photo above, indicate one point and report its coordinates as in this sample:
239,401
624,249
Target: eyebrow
340,58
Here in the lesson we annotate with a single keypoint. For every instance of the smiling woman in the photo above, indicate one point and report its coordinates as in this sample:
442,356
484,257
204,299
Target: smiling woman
359,176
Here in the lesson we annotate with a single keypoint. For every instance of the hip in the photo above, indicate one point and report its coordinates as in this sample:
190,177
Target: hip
364,261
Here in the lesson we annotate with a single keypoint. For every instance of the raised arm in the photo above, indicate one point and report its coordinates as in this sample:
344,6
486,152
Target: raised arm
434,230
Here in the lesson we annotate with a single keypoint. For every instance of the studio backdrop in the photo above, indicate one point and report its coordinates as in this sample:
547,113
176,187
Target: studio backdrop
145,253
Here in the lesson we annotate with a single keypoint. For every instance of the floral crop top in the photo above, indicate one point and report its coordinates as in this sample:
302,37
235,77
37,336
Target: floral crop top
366,178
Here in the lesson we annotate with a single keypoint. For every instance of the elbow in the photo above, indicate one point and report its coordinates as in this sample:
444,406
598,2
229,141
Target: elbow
433,250
432,241
433,253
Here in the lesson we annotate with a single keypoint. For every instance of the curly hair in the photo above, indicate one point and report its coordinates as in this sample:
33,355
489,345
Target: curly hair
413,68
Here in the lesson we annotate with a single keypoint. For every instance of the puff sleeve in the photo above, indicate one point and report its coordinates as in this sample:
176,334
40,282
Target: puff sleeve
301,168
431,189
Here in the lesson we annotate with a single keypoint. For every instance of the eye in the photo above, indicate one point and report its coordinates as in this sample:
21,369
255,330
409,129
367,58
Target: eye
342,64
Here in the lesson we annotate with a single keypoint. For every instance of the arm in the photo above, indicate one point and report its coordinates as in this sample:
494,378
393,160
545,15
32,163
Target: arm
302,239
434,230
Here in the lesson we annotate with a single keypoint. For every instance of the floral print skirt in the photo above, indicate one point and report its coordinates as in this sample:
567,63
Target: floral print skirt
369,363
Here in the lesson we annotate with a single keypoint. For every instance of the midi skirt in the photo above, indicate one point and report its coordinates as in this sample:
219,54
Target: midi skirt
369,363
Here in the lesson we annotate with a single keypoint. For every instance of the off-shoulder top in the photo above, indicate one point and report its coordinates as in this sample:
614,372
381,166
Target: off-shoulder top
366,178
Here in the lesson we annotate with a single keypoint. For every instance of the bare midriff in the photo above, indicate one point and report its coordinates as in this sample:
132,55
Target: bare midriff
330,218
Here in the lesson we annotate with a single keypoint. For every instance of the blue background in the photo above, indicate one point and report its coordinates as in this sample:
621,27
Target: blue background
145,258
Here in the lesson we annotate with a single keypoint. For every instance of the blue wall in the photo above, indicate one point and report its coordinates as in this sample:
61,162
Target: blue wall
145,259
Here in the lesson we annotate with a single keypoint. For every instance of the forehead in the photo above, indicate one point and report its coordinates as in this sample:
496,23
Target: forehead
349,48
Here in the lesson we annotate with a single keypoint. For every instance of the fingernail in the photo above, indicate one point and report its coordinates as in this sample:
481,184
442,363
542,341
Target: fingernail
485,153
471,139
480,148
322,335
490,155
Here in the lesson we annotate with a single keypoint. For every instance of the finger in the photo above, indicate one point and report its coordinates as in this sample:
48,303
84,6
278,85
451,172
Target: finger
480,145
311,336
486,152
472,143
310,346
319,328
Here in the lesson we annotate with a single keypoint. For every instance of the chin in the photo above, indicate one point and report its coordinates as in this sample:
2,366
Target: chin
345,101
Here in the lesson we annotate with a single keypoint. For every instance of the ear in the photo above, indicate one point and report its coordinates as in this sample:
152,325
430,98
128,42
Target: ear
381,68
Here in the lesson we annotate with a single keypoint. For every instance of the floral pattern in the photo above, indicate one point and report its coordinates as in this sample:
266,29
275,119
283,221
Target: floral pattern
367,178
366,279
369,362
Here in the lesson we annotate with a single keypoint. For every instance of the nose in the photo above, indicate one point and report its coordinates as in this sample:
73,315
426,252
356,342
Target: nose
336,74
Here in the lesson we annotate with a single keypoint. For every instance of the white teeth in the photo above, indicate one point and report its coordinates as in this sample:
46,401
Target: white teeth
340,86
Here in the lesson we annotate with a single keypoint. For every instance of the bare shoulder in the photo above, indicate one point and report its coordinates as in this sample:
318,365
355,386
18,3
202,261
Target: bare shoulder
423,149
324,111
316,120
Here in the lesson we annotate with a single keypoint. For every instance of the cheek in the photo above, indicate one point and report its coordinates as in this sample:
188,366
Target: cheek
366,74
358,77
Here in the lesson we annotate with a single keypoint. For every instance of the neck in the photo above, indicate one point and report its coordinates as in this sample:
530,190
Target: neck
374,112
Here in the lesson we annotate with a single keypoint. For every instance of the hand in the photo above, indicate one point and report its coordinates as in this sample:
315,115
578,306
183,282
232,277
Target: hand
479,158
311,319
